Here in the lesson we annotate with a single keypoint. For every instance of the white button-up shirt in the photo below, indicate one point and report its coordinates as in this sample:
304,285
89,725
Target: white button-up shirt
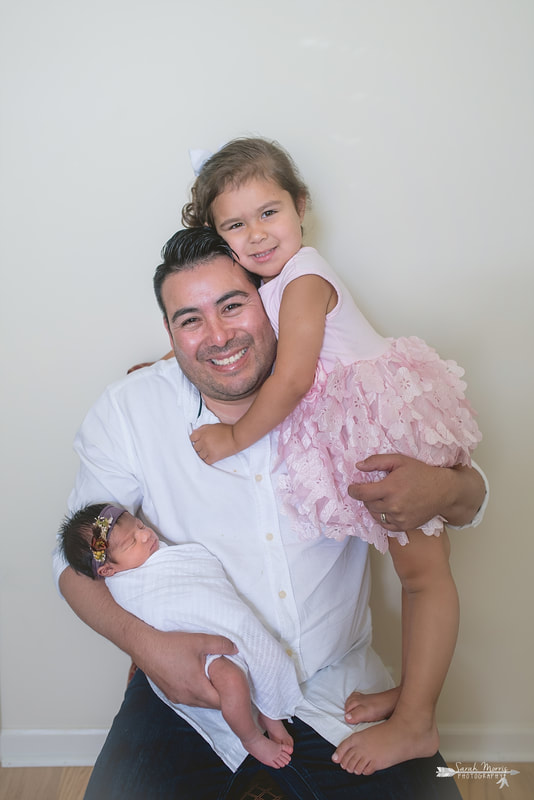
312,596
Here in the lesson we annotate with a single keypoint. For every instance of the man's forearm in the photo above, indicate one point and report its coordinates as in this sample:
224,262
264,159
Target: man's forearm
93,603
467,492
173,659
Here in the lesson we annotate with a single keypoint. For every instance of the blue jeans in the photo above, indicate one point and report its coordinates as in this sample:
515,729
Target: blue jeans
152,754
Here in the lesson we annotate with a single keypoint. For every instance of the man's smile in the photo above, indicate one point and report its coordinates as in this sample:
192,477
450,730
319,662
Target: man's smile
224,362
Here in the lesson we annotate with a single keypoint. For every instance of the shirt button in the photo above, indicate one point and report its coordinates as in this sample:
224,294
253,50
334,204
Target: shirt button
269,537
281,594
258,478
289,651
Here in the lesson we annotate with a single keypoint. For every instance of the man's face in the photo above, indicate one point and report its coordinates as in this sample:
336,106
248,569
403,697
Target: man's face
218,328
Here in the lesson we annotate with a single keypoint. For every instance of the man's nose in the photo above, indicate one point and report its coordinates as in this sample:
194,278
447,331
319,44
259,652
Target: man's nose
219,331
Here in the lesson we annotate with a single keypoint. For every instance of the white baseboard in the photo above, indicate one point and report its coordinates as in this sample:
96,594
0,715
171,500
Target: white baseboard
50,748
490,743
79,748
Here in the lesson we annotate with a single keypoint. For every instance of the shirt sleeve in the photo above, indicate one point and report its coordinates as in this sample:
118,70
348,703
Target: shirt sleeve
107,470
479,516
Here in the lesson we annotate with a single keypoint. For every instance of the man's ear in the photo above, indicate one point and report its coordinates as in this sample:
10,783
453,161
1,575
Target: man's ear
106,570
167,328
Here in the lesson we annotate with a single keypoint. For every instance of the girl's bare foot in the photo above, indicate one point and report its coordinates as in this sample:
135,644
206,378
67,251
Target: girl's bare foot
360,707
386,744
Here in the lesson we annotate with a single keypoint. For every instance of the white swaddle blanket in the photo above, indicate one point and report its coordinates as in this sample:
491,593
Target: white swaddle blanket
184,587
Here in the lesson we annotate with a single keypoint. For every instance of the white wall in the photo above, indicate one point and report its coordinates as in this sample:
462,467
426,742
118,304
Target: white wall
413,123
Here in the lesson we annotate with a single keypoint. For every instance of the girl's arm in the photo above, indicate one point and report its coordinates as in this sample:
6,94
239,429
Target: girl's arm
305,304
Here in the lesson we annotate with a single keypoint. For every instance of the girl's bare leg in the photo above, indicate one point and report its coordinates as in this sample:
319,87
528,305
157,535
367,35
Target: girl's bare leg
236,708
376,706
431,618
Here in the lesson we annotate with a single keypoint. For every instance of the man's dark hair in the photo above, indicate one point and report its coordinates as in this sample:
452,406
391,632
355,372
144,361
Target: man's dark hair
187,249
75,536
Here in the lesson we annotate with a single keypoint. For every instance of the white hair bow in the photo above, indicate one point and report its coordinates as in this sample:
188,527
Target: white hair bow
198,158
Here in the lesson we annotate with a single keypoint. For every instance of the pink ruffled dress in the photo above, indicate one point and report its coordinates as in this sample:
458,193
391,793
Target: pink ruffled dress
370,395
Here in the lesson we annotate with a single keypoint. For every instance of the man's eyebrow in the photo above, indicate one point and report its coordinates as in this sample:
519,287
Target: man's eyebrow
232,293
181,312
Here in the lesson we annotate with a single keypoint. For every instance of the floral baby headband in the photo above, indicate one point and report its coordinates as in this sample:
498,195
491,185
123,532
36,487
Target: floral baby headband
102,527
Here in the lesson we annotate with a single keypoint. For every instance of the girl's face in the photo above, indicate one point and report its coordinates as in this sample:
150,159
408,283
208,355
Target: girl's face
261,224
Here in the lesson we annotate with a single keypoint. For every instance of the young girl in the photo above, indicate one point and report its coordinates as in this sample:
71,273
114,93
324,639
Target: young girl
340,392
184,587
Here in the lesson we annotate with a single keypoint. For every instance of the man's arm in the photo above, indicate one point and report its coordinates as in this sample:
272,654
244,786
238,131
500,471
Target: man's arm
413,493
173,660
108,470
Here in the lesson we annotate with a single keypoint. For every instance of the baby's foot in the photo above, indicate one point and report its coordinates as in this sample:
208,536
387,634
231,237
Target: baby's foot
276,731
360,707
273,754
384,745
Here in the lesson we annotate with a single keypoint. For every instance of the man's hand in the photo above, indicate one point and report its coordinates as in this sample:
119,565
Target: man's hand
176,662
413,492
214,442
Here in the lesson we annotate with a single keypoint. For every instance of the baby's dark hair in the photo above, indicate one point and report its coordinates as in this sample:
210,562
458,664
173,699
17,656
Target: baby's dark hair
236,163
75,535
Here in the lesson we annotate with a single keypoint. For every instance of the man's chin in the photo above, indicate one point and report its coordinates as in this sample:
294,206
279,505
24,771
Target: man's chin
228,383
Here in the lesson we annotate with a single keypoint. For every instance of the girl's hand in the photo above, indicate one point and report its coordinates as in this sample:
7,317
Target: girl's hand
213,442
135,367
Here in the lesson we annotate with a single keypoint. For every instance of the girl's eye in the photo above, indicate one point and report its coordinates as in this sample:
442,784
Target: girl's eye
235,225
269,212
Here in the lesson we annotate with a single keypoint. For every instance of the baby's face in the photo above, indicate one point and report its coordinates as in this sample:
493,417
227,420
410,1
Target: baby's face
130,543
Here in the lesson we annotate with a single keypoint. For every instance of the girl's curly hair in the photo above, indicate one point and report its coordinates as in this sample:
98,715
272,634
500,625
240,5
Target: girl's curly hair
236,163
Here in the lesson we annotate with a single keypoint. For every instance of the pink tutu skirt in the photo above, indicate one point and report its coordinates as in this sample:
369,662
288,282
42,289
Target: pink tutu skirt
407,401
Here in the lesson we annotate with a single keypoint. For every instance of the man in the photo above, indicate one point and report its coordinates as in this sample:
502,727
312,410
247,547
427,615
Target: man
312,596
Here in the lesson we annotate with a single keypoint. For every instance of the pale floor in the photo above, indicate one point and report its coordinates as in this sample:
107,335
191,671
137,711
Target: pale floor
68,783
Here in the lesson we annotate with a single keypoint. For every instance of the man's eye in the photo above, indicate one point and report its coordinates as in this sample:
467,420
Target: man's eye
189,321
233,306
